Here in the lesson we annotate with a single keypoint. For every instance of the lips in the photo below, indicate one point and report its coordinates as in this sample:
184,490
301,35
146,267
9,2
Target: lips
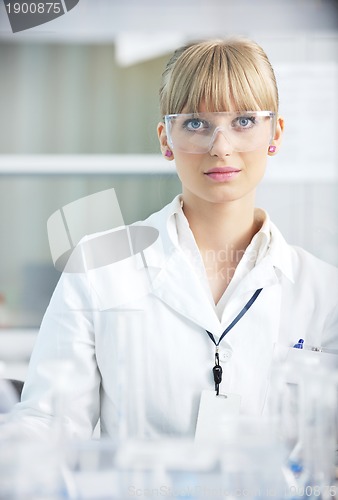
222,170
222,174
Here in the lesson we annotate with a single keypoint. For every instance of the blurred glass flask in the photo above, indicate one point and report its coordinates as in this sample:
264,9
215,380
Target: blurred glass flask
303,409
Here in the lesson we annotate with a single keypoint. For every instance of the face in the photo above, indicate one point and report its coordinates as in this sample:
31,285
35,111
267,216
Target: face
221,175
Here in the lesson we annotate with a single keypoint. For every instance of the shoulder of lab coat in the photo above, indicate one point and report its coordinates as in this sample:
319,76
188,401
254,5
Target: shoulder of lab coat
310,289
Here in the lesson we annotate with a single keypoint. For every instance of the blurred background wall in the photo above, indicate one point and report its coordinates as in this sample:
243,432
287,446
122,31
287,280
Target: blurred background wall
86,86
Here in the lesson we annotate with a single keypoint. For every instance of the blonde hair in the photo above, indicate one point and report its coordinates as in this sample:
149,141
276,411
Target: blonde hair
221,73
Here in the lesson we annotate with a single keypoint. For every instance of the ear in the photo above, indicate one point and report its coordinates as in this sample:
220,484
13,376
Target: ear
277,139
162,137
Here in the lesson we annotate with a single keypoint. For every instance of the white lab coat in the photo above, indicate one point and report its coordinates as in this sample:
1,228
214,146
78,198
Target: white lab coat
137,344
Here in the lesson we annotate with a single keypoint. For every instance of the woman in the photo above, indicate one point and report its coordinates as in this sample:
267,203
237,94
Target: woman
220,274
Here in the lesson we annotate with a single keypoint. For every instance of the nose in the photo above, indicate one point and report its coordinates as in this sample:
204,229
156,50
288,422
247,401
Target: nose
220,145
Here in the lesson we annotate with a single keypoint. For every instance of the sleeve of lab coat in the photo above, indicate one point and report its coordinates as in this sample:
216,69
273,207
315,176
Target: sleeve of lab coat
63,378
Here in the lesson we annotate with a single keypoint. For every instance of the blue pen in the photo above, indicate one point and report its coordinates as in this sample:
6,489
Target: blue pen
300,344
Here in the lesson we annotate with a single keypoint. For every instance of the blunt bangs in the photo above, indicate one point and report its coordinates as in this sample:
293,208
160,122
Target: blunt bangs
221,75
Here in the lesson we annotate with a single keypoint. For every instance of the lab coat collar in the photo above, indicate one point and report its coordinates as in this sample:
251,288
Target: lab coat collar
178,285
279,252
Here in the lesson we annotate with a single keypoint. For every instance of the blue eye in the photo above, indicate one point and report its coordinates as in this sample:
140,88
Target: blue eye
195,124
244,122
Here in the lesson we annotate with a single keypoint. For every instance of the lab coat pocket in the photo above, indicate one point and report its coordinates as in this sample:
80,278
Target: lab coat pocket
308,357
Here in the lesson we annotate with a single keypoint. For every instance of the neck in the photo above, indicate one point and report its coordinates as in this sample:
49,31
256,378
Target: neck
222,227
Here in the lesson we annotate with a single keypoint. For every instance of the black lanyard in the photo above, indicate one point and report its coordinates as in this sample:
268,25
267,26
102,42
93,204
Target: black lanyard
217,369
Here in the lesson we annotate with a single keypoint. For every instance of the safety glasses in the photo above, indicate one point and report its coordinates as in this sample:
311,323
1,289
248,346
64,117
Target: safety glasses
243,131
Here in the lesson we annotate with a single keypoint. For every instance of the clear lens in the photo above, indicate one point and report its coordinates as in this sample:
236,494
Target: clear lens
197,132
